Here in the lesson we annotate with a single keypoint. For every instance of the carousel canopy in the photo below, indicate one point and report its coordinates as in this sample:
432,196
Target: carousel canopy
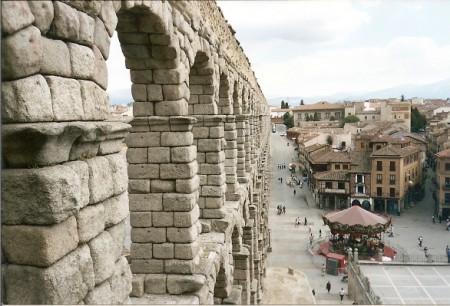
356,215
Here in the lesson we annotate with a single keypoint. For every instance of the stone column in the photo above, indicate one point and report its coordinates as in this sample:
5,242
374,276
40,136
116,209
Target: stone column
209,137
231,153
163,191
241,153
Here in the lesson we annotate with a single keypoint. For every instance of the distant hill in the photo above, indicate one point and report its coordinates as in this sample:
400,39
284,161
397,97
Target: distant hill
437,90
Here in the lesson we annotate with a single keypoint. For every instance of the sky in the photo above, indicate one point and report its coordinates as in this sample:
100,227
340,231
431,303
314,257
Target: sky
319,47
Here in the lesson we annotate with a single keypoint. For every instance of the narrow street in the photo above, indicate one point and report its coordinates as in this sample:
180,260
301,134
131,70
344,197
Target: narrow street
290,244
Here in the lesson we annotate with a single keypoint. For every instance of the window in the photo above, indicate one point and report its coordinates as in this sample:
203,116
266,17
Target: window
337,167
359,178
360,189
392,179
337,115
365,117
379,192
392,192
447,167
373,117
378,147
379,178
327,115
392,166
447,198
345,167
319,116
328,185
379,166
299,116
362,145
395,116
447,182
341,185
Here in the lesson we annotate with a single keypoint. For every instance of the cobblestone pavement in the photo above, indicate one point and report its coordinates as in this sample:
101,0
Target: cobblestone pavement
290,244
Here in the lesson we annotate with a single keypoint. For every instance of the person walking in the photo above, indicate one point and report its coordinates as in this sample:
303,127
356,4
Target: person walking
295,191
281,179
420,241
309,229
284,209
328,286
323,269
306,221
320,233
434,221
341,294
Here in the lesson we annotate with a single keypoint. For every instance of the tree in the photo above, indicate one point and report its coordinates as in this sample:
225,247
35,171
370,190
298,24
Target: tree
403,98
288,120
330,140
316,117
301,102
350,119
282,104
332,118
418,121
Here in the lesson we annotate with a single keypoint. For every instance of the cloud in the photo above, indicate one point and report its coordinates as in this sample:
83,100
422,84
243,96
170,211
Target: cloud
118,75
403,60
310,22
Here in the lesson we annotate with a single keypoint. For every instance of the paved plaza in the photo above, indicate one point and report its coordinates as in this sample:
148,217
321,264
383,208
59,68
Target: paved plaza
290,244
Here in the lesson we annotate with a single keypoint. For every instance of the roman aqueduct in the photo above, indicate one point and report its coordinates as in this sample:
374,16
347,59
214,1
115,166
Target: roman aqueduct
195,177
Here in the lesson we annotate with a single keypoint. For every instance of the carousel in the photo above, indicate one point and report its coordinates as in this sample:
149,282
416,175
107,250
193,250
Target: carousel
356,227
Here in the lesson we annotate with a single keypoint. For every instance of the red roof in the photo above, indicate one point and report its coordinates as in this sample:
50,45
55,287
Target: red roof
355,215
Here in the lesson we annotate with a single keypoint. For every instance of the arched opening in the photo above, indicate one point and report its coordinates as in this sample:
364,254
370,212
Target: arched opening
356,202
366,205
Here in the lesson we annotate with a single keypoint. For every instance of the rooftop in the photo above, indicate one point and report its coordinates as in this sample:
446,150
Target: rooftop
319,106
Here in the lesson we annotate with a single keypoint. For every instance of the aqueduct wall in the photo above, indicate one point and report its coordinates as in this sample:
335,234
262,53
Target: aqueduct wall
194,179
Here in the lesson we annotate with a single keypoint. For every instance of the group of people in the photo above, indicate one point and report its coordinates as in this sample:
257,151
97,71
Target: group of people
297,222
281,166
281,209
328,288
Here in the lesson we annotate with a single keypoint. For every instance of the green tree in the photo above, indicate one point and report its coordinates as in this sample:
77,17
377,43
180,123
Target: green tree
332,118
288,120
316,117
350,119
329,140
418,121
403,98
282,104
301,102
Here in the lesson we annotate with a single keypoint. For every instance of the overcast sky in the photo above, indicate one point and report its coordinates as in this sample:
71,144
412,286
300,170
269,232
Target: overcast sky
318,47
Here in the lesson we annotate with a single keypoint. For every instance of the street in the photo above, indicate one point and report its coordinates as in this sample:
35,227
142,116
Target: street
291,245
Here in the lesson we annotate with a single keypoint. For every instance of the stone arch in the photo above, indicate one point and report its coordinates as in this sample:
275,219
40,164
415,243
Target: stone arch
225,107
202,99
237,98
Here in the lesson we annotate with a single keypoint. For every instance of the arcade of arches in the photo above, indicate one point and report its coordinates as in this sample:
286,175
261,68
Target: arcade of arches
195,177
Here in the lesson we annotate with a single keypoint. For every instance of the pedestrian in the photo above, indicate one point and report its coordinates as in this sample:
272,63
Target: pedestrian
391,234
446,250
341,294
295,191
420,241
323,269
284,209
320,233
306,221
448,225
433,219
311,238
313,292
281,179
309,229
296,222
328,286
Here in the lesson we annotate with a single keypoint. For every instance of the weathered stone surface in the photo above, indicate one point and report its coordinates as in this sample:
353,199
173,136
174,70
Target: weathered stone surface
171,108
142,250
95,101
116,209
139,140
188,186
141,219
43,14
180,284
148,234
159,155
162,186
66,282
66,98
146,202
87,27
101,38
21,53
16,15
101,186
26,99
182,235
139,186
100,69
137,285
183,154
81,61
118,164
163,250
147,266
102,253
91,222
162,219
155,283
57,64
101,295
39,245
39,196
179,202
187,250
187,219
92,7
121,281
178,171
143,171
118,233
81,168
139,92
66,23
109,17
170,139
